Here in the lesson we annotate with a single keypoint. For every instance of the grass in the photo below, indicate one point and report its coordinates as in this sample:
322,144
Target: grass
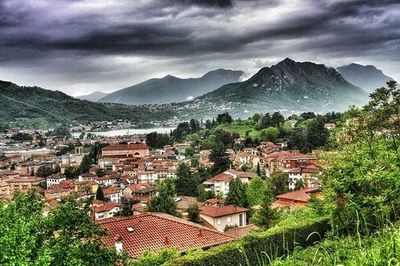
381,248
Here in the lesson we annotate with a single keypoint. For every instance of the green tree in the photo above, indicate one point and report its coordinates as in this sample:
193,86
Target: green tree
317,134
279,182
237,193
270,134
186,181
99,193
44,171
219,158
256,190
224,118
277,119
299,185
266,216
194,213
164,201
85,164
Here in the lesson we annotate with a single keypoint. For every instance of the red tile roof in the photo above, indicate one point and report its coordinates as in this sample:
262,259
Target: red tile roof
153,231
132,146
220,177
302,195
110,190
221,210
106,207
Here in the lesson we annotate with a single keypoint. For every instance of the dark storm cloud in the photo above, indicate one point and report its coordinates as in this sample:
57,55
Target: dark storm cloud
202,32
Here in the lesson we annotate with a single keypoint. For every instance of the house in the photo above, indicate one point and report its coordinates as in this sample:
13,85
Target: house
113,194
54,180
243,158
132,150
222,217
142,192
147,176
87,177
24,184
219,184
106,210
59,191
181,147
183,203
296,198
155,231
307,175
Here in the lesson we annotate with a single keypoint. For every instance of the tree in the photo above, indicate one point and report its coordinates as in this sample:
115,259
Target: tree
317,134
194,213
164,201
270,134
85,164
256,190
186,182
266,216
126,209
224,118
44,171
258,171
31,238
237,193
299,184
298,140
99,193
219,158
277,119
279,182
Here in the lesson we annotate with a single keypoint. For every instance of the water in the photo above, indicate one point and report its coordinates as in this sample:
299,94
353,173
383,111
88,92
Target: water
131,131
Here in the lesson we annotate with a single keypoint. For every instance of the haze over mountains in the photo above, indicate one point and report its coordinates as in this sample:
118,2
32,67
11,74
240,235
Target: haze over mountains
172,89
93,97
366,77
288,86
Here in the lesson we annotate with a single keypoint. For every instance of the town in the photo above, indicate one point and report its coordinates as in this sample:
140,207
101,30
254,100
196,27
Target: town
159,191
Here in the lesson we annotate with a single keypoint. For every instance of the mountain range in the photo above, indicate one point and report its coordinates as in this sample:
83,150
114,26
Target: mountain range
288,86
44,108
366,77
170,89
93,97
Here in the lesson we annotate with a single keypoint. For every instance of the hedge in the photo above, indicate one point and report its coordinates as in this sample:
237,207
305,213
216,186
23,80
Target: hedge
258,248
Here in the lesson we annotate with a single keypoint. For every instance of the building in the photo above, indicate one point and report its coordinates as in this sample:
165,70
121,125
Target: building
113,194
296,198
155,231
219,184
54,180
25,184
142,192
133,150
222,217
106,210
307,175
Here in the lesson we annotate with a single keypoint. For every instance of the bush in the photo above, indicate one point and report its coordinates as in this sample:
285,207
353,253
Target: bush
257,247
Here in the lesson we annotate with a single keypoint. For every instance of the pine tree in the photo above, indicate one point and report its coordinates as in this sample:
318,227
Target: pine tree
186,181
220,159
266,216
256,191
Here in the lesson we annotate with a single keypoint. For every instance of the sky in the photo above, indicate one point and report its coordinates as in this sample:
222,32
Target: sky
81,46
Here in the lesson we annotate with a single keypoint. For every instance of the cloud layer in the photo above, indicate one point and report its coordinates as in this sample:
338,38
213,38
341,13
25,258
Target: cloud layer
80,46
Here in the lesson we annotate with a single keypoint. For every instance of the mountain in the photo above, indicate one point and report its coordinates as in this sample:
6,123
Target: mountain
366,77
38,107
93,97
288,87
172,89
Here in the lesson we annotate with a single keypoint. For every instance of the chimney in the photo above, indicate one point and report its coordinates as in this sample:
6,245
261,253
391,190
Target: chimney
166,241
200,234
118,243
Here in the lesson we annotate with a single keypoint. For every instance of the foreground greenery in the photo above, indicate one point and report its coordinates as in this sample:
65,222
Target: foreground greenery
66,236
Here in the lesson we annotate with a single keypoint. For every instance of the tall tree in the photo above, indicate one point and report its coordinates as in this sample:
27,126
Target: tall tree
194,213
256,191
164,201
85,164
186,181
279,182
219,158
99,193
266,216
237,193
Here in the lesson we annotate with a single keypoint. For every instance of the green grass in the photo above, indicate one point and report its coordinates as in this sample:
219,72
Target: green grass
242,128
381,248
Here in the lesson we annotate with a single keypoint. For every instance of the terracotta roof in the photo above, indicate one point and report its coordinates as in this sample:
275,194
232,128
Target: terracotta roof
302,195
106,207
140,186
221,210
88,175
132,146
220,177
110,190
240,231
153,231
25,180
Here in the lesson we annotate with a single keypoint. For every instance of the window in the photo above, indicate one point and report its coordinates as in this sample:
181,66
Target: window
218,221
229,219
240,219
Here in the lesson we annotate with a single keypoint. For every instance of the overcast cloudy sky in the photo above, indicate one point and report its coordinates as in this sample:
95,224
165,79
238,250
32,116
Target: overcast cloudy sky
79,46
